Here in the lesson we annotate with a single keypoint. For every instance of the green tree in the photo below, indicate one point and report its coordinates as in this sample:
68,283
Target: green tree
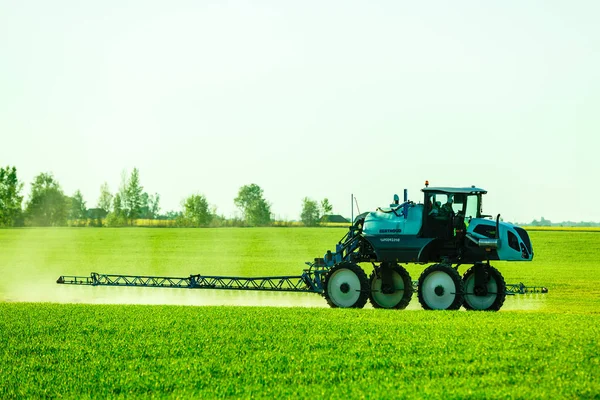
122,192
154,204
545,222
11,199
254,207
134,199
145,207
150,206
78,209
173,214
196,211
310,212
118,204
117,217
47,205
326,209
105,199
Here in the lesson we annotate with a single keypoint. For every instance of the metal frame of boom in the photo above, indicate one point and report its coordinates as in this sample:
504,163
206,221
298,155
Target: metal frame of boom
511,288
309,282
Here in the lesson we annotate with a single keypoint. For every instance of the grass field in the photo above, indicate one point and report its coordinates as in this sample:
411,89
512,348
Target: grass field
540,346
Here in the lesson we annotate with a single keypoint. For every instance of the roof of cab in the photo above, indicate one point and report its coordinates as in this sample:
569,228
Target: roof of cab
455,190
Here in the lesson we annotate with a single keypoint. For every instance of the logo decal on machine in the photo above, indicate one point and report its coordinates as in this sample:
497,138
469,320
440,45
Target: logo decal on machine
390,231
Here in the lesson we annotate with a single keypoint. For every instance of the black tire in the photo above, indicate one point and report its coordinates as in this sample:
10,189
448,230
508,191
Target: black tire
496,288
440,288
397,300
346,286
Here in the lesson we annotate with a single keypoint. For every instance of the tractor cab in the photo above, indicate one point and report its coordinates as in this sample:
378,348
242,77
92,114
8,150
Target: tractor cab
449,210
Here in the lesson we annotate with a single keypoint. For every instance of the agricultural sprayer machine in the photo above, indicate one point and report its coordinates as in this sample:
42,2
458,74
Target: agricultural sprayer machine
447,230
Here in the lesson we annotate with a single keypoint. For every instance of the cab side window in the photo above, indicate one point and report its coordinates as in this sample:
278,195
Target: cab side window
513,242
485,230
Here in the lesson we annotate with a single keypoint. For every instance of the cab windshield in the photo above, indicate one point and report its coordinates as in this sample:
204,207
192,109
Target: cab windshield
465,204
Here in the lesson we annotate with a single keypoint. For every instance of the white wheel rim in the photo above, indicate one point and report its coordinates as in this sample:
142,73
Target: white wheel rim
480,302
388,300
339,281
434,300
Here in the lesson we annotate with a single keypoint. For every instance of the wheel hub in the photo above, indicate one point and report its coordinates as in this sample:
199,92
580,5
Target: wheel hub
439,290
387,289
344,288
480,291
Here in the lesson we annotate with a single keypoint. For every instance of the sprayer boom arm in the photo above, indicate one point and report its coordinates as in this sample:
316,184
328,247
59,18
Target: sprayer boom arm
302,283
308,282
511,288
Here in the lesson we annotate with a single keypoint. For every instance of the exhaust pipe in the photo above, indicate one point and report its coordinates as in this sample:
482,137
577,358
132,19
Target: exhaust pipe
492,243
489,243
498,227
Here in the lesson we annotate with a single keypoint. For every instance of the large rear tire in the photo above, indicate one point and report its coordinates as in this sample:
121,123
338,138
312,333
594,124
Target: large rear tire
346,286
490,298
440,288
401,293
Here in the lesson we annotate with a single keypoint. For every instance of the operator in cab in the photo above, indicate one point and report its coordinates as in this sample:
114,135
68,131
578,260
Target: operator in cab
446,210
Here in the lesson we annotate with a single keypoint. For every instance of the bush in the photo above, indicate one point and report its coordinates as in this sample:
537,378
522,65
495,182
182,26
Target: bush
116,220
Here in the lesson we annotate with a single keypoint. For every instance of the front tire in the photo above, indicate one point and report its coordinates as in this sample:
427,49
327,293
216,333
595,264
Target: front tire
440,288
490,298
346,286
402,290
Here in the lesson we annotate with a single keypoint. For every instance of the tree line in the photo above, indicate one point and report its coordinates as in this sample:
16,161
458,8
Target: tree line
48,205
546,222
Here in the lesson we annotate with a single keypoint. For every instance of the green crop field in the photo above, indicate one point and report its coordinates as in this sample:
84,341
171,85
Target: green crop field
65,341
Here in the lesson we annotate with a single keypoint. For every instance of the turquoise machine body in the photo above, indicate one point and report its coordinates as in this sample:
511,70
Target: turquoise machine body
410,232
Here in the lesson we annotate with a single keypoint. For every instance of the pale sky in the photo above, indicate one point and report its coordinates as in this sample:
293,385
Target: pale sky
308,98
